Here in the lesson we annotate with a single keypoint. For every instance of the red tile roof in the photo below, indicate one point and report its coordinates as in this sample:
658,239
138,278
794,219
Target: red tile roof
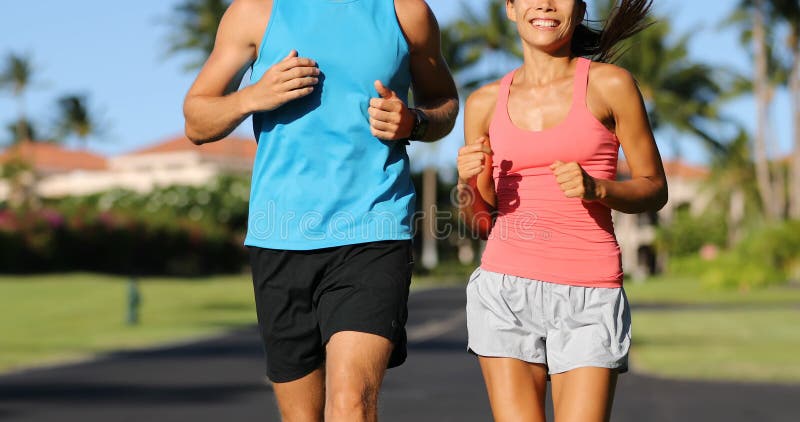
231,146
52,157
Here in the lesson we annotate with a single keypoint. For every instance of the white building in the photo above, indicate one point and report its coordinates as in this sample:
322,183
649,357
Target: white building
636,233
176,161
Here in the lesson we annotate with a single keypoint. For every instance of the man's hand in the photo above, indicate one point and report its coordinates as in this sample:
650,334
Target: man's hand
575,182
389,117
291,78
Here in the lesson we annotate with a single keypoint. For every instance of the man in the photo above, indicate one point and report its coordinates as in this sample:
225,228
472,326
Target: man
330,210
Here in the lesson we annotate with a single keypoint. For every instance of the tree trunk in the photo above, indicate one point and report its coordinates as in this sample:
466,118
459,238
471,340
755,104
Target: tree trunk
23,135
736,209
23,183
794,184
430,255
760,81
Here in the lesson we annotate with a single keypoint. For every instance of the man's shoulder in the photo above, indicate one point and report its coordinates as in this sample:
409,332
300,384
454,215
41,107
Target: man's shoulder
416,20
249,17
251,5
411,6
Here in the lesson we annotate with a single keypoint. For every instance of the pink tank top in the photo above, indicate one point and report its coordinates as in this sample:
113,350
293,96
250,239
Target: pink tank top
540,233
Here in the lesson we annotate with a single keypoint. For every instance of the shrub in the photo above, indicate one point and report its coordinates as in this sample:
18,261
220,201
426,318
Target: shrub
48,240
767,255
686,234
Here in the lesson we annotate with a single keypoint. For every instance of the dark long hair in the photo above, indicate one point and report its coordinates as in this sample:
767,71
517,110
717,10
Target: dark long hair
628,18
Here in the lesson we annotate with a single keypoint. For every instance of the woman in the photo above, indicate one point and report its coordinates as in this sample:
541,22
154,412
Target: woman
541,158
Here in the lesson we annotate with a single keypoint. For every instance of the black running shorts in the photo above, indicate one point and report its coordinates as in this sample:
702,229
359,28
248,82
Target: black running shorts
304,297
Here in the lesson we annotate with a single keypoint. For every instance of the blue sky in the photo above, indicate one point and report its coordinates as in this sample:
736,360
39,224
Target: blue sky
116,55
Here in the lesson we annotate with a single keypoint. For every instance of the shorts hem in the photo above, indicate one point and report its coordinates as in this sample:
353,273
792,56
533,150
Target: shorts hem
392,337
289,376
399,353
621,367
506,355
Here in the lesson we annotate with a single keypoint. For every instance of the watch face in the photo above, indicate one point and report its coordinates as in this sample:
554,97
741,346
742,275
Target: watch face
421,125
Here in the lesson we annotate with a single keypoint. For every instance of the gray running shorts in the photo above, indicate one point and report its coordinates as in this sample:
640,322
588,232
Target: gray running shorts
563,327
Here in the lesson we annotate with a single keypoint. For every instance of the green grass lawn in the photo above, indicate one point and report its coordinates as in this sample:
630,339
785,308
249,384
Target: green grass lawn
722,334
731,335
62,317
55,318
672,290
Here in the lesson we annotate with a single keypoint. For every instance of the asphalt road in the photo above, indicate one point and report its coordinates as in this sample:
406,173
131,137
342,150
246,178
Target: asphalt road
221,379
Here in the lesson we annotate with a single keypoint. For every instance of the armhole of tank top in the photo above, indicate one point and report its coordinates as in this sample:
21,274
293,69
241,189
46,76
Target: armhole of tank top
500,109
581,83
264,38
585,106
399,27
497,109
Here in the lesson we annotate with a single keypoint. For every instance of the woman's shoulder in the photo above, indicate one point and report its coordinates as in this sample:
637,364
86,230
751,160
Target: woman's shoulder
608,85
607,77
485,97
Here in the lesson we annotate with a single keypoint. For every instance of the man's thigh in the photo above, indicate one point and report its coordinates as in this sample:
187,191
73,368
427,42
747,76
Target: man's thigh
284,284
356,362
365,290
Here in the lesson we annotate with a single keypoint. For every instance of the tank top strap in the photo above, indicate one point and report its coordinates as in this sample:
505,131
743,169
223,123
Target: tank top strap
501,108
581,81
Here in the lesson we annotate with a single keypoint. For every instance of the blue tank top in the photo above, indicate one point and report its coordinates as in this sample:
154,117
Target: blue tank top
320,179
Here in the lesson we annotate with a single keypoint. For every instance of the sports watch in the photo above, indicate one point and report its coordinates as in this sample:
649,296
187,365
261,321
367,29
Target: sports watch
420,124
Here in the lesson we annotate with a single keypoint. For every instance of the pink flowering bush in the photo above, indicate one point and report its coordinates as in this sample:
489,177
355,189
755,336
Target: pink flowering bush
86,239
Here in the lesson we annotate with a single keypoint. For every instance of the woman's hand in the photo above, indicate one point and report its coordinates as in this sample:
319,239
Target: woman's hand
575,182
473,159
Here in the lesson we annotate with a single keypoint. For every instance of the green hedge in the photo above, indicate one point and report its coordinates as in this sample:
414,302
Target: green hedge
86,240
686,234
768,255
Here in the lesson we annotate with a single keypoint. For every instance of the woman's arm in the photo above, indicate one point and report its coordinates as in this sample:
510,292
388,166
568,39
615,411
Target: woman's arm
476,194
613,90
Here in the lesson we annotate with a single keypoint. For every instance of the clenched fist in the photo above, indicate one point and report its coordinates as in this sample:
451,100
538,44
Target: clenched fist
574,181
474,158
291,78
389,117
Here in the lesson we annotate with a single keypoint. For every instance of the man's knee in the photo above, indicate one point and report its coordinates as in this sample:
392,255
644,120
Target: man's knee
353,400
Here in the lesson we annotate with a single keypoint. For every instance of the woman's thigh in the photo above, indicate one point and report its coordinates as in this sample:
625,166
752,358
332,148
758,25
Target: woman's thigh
583,394
516,388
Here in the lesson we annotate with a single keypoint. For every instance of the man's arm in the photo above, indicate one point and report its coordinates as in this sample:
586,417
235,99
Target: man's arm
435,91
210,113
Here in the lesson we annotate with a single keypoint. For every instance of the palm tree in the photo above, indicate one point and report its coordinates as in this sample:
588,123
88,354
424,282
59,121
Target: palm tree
478,36
763,99
788,12
75,119
17,76
732,182
17,136
196,29
196,32
680,94
758,20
